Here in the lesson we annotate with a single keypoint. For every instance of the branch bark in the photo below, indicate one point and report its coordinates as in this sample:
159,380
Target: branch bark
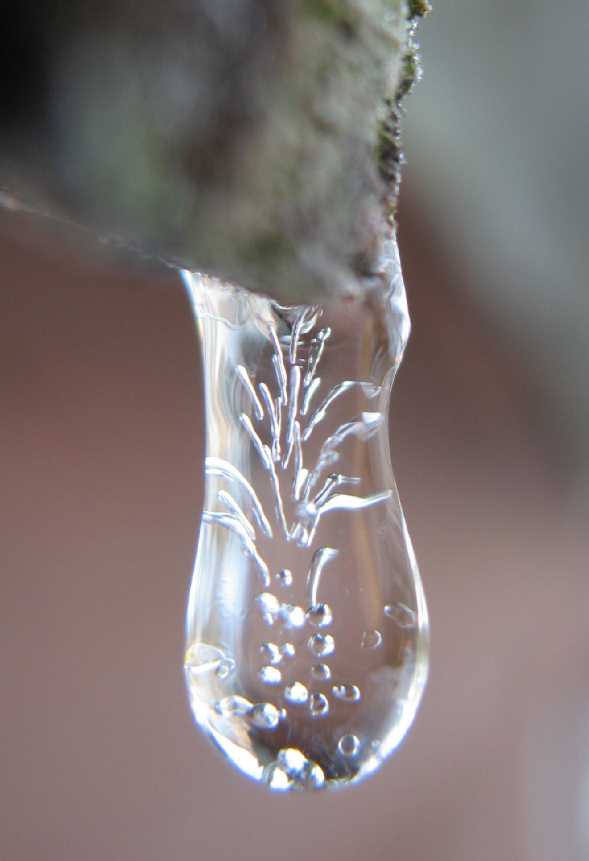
257,140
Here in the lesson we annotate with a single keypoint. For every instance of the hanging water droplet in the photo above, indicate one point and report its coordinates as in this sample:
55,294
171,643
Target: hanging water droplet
302,537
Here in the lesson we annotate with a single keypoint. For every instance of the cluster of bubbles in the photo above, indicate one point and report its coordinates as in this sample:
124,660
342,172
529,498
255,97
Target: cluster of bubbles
291,769
320,645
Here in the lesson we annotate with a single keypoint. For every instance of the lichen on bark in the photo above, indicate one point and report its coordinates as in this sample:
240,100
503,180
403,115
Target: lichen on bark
389,148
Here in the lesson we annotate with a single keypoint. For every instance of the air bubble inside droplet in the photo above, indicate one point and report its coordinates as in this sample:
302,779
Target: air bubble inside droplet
271,653
320,615
287,650
292,761
296,693
400,613
265,716
318,705
234,706
277,779
371,639
270,607
347,693
284,578
225,668
316,778
270,675
202,659
293,617
321,645
348,745
320,672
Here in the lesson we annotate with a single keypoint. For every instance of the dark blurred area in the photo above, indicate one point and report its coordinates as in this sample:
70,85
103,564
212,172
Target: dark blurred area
133,119
101,444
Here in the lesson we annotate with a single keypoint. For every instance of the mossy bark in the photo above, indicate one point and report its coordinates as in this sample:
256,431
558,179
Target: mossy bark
257,140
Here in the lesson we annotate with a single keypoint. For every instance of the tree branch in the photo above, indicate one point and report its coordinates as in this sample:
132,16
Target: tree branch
257,140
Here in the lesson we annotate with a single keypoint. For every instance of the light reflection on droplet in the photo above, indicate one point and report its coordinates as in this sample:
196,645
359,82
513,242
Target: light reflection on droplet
278,780
270,607
265,716
316,778
202,659
400,613
287,650
347,693
293,617
292,761
292,770
234,706
371,639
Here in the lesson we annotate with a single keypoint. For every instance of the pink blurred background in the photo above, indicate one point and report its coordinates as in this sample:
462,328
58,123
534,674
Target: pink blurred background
101,450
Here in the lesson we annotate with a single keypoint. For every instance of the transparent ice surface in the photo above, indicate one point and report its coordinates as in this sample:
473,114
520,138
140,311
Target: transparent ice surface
306,649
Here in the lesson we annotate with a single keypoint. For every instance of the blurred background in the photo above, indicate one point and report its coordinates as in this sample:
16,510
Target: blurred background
101,453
